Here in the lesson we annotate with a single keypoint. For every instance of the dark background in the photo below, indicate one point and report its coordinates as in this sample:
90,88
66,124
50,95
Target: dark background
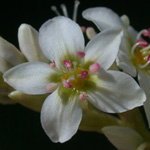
20,127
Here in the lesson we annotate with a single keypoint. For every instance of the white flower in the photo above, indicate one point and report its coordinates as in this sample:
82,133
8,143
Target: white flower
10,56
132,58
125,138
77,73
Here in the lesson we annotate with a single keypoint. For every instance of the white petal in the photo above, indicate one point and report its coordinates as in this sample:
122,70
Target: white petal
144,80
103,17
28,42
124,62
125,20
104,47
60,118
115,92
133,33
123,138
9,55
30,78
4,65
59,37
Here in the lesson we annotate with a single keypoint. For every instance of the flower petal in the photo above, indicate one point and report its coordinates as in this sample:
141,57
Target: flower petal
4,65
144,80
125,20
124,62
115,92
104,47
123,138
33,102
5,89
133,33
60,119
28,42
103,17
58,36
30,78
9,55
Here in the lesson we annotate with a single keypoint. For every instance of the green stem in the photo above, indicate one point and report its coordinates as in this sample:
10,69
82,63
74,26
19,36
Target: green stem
134,119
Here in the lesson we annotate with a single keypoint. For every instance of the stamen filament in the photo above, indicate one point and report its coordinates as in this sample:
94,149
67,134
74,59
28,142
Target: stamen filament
76,4
64,10
140,33
134,48
144,66
54,9
145,49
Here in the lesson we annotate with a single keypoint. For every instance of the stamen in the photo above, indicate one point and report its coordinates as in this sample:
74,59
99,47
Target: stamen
67,64
83,28
74,65
71,78
90,32
76,4
142,43
64,10
82,96
144,66
53,65
145,33
145,49
148,58
54,9
80,54
51,87
84,74
94,67
134,48
66,83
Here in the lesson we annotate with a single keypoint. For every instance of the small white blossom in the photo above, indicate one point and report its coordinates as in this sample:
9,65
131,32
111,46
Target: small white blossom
134,54
75,74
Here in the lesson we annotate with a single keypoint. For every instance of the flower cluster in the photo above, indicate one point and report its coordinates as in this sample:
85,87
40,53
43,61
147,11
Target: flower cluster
73,84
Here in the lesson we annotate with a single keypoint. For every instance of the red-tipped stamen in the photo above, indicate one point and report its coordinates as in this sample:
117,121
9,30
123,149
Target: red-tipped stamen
142,43
145,33
66,83
83,28
67,64
53,65
82,96
94,67
148,58
84,74
90,32
80,54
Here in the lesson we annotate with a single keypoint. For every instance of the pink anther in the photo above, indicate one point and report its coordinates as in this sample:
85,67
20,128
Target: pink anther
83,28
82,96
53,65
142,43
145,33
80,54
94,67
51,87
66,83
84,74
67,64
